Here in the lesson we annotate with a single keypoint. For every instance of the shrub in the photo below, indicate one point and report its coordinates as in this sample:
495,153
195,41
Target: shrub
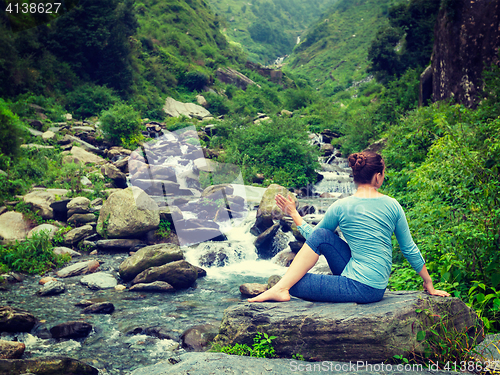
9,130
120,121
90,100
195,80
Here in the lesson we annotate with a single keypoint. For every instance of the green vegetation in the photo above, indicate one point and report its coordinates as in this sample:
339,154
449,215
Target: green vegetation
33,255
261,348
120,123
163,229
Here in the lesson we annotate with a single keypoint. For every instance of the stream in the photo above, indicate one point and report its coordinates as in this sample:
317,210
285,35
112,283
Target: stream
118,343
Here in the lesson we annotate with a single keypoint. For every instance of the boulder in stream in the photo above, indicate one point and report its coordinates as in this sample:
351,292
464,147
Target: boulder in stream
346,332
79,268
13,319
99,308
71,330
157,286
51,288
180,274
99,280
11,349
149,256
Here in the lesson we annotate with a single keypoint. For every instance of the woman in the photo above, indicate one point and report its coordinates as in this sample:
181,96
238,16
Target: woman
360,267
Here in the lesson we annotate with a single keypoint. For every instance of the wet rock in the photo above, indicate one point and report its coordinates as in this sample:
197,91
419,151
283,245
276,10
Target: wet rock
295,246
78,219
149,256
264,242
13,226
285,258
71,330
200,271
306,210
52,288
128,213
84,303
99,308
118,244
99,280
77,234
46,366
78,205
13,319
49,228
40,201
12,277
180,274
11,349
120,287
252,289
65,250
45,280
215,258
272,281
197,338
345,332
79,268
156,286
197,235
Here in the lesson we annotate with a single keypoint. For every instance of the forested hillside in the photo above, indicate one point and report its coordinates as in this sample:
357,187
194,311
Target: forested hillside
268,29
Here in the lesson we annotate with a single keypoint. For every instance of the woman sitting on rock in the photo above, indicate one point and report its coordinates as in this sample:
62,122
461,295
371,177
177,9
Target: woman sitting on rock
360,267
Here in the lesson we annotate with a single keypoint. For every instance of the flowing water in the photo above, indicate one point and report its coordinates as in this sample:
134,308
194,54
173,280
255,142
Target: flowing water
117,344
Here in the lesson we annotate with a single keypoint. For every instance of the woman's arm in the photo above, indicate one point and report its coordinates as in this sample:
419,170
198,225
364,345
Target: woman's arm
428,284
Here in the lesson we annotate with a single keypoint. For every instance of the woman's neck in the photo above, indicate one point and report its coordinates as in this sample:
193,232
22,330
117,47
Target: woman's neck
367,191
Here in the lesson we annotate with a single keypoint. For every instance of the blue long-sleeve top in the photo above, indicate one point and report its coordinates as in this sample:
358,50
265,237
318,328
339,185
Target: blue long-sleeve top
367,224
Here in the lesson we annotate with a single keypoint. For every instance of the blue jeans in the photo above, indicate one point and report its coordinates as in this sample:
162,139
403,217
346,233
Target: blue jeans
333,288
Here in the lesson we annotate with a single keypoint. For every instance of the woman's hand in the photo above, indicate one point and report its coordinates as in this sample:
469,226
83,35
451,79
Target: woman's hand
434,292
286,205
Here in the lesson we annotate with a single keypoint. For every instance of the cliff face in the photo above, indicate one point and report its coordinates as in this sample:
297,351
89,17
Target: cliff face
467,38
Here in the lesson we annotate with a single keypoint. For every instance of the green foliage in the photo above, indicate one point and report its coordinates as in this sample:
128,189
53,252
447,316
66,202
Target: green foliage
195,80
163,229
9,131
261,348
269,147
34,255
120,121
90,100
58,239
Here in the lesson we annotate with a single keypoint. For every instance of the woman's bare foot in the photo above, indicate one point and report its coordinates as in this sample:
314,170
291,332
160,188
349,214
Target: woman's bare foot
273,294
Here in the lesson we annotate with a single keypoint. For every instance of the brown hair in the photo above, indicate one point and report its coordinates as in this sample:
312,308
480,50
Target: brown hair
365,165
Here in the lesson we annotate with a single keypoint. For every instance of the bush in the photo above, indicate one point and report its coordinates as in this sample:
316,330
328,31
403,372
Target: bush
90,100
9,131
195,80
120,121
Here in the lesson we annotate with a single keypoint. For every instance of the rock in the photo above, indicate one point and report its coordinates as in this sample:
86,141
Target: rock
156,286
45,280
149,256
118,177
286,113
170,214
71,330
345,332
120,287
99,280
118,244
180,274
79,156
128,213
46,366
264,242
252,289
77,234
173,108
13,226
197,338
217,191
295,246
200,99
272,281
11,349
99,308
196,235
60,209
205,165
96,202
93,252
78,219
65,250
40,201
13,319
49,228
68,117
37,146
86,182
51,288
285,258
48,135
79,268
327,149
377,146
268,209
78,205
231,76
122,164
3,210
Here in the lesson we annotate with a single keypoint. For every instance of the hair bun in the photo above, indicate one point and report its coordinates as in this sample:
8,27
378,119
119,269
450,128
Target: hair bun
357,162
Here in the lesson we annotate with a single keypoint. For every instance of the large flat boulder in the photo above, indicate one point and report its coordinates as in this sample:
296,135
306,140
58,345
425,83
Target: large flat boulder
128,213
149,256
180,274
346,332
40,202
173,108
79,156
13,227
46,365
